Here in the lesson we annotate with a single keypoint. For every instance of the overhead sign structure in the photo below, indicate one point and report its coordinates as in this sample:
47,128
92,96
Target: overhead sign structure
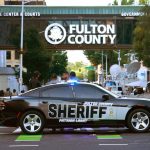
18,14
80,34
132,14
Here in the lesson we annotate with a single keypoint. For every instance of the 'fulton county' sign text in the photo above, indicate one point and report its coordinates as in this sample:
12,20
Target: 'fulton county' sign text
81,34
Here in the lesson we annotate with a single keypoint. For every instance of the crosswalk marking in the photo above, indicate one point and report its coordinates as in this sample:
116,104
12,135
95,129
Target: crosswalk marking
110,136
29,138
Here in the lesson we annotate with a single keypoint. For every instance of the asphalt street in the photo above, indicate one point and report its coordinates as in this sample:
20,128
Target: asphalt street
74,139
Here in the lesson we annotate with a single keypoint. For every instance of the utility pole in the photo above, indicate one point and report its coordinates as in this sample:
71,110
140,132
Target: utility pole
21,47
119,58
106,67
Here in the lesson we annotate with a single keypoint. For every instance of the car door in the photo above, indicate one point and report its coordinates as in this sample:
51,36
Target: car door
90,99
57,101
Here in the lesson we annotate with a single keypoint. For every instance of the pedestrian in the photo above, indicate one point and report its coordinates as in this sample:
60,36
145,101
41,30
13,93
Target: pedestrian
53,79
7,92
1,93
65,76
14,93
34,81
73,76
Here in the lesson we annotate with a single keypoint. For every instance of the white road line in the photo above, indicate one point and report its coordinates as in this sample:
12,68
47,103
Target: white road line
113,144
23,145
3,127
77,129
5,133
18,130
88,129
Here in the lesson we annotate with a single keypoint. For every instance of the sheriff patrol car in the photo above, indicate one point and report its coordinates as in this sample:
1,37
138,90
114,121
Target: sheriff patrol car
73,105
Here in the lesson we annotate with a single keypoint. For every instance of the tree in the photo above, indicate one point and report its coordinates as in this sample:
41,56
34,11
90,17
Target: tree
79,68
91,75
143,2
124,2
130,2
141,33
115,2
59,62
95,57
36,57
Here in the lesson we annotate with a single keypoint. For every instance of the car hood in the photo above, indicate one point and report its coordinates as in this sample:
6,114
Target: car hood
133,101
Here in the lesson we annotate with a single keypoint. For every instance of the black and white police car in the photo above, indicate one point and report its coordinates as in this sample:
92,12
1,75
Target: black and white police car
73,105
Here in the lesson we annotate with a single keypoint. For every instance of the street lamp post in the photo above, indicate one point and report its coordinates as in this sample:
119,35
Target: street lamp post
21,48
119,57
106,65
102,73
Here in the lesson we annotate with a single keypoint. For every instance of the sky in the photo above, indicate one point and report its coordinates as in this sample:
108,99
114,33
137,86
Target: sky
77,55
78,2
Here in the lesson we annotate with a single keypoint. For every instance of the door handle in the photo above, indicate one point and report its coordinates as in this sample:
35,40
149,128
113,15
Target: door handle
44,102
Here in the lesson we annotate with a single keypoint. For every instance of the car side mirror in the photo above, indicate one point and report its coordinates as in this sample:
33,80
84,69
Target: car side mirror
105,97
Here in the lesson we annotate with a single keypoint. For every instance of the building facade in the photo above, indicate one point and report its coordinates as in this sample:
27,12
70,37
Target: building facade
1,2
12,59
9,59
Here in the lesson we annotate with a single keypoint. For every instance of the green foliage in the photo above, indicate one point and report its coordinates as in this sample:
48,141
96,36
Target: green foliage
80,75
59,62
79,68
91,75
130,2
141,33
36,57
144,2
124,2
115,2
95,57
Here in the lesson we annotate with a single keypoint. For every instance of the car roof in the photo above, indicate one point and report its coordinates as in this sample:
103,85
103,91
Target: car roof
70,83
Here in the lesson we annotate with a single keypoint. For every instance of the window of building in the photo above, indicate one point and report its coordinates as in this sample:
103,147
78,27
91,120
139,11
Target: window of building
8,65
8,54
16,66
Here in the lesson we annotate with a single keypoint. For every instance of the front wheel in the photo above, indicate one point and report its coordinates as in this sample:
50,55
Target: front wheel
32,122
139,120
